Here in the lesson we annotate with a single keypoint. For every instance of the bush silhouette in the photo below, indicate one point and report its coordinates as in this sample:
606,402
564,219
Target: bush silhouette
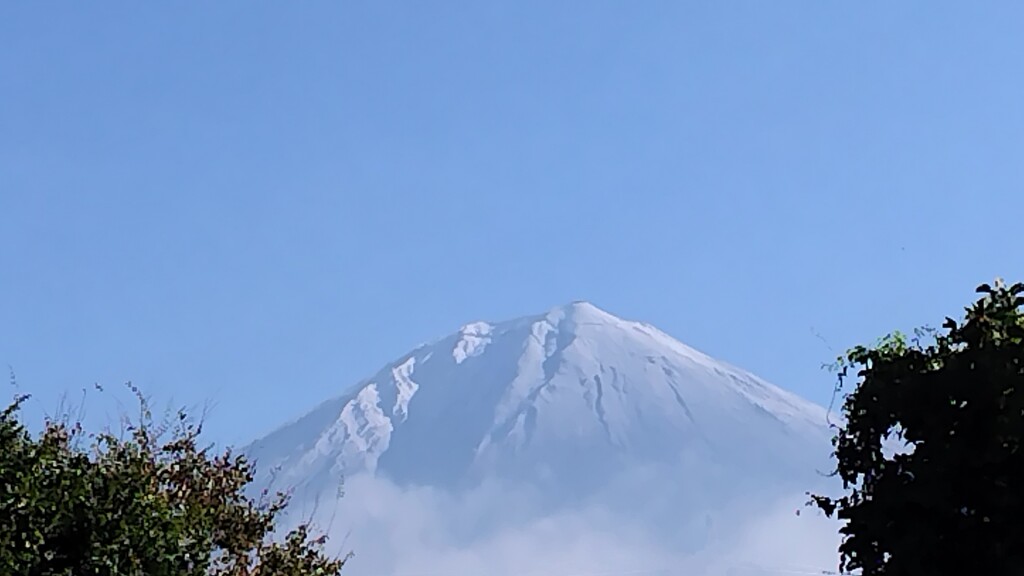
953,502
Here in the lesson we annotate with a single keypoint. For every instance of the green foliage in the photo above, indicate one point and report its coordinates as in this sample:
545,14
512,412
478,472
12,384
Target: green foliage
953,501
138,506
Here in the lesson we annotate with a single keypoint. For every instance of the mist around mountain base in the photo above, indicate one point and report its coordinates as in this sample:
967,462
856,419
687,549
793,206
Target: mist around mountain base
637,527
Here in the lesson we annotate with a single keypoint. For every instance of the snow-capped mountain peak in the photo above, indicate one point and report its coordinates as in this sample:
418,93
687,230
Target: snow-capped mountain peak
563,397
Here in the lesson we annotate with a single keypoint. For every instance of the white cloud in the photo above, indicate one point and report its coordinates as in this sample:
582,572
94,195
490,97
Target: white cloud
500,531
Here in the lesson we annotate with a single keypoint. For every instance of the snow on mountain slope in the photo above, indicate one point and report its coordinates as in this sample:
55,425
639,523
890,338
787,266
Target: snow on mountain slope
562,401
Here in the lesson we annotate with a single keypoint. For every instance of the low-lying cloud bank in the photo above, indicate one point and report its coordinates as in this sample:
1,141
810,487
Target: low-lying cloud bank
496,530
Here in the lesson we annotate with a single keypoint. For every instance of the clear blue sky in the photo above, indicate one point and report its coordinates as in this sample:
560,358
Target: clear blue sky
256,204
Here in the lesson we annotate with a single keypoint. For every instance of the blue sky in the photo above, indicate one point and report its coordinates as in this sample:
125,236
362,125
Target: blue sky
255,204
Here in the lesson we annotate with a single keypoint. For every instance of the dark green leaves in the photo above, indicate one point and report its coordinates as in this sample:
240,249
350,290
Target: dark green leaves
137,507
955,504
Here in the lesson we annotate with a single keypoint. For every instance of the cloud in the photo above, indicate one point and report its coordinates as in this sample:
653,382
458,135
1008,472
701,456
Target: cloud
776,540
498,530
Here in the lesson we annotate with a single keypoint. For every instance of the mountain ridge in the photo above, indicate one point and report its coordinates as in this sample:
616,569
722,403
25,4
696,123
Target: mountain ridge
558,398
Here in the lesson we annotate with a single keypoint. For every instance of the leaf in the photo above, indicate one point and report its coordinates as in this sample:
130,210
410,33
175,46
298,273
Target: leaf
901,512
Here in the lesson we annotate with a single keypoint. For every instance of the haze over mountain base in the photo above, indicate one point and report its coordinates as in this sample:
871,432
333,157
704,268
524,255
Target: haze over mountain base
502,531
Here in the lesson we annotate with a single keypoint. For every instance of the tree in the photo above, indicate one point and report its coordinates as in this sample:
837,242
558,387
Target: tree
138,506
952,501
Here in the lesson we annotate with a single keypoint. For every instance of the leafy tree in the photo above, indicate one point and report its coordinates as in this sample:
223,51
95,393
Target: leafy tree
138,505
952,500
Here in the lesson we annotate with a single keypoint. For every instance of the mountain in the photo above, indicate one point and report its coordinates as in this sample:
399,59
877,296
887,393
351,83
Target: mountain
570,403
